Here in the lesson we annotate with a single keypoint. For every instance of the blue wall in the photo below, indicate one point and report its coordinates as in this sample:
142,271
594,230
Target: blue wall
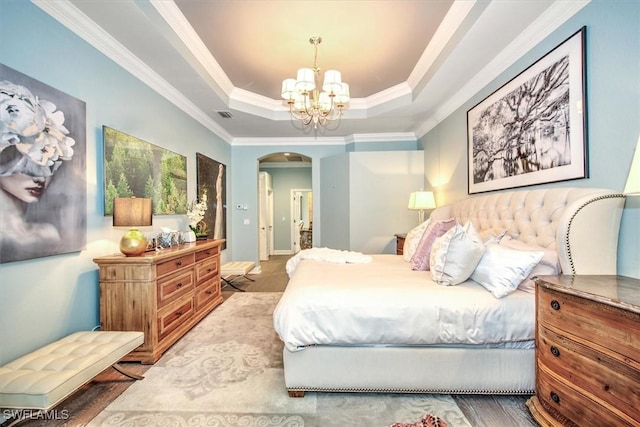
44,299
613,108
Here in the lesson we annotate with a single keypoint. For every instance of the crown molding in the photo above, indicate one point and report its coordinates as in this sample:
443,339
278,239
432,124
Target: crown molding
174,17
71,17
454,18
288,141
381,137
555,15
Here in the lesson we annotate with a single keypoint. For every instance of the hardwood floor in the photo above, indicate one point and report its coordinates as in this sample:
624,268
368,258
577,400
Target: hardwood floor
480,410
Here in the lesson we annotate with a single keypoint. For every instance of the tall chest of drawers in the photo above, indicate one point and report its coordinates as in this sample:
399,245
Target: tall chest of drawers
162,294
587,351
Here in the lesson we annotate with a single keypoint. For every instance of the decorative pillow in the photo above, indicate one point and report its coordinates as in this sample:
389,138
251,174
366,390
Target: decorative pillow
502,269
412,240
548,265
420,259
456,254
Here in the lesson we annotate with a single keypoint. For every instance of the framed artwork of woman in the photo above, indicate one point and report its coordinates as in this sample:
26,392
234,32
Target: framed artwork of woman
43,192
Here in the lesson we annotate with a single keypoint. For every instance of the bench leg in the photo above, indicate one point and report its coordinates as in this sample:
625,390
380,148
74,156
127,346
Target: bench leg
229,282
125,372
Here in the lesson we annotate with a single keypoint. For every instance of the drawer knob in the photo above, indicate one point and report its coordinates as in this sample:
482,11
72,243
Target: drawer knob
555,397
178,263
208,292
555,351
555,304
209,270
179,313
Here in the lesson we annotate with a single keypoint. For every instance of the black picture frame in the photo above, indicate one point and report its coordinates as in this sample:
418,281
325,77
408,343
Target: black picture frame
533,129
212,181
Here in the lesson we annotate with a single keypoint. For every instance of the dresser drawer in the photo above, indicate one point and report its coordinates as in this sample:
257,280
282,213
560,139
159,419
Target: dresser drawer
591,323
598,376
559,398
174,264
206,270
174,285
206,253
175,315
205,294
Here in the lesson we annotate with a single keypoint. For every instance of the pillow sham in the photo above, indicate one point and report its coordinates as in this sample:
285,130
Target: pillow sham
455,255
412,240
548,265
420,259
502,269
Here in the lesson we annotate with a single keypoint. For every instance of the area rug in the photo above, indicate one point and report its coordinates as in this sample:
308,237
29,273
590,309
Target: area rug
228,371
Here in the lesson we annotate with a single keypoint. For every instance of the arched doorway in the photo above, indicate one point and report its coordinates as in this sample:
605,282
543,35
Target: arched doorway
284,201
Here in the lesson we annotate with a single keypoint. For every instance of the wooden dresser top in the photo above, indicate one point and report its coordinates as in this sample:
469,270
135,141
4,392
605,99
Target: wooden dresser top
616,291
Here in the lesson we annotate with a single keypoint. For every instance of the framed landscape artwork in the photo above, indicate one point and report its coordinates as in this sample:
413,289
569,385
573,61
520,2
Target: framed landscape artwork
133,167
212,178
43,184
533,129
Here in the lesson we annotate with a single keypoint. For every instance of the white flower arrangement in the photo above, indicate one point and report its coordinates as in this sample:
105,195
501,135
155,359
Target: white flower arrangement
196,211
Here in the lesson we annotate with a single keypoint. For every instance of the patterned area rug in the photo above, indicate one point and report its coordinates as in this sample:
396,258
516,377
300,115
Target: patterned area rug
227,371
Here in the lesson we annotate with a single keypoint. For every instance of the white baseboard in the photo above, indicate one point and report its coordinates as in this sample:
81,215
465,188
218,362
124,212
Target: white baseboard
283,252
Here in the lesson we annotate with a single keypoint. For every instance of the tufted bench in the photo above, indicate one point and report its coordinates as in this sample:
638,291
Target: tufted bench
43,378
231,271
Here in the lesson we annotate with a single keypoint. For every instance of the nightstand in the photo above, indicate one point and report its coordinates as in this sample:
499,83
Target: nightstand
400,243
587,351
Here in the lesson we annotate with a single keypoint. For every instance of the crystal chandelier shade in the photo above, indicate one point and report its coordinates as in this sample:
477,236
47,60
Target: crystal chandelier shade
311,104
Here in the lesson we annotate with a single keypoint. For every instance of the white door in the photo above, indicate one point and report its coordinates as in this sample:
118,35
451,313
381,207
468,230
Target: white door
265,216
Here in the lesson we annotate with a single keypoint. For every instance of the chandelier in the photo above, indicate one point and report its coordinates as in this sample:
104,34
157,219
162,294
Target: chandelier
307,103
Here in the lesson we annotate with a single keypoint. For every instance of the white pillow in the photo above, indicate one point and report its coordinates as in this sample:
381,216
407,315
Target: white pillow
412,240
455,255
549,265
502,269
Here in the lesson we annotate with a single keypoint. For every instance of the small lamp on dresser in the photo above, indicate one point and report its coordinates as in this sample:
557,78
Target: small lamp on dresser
132,212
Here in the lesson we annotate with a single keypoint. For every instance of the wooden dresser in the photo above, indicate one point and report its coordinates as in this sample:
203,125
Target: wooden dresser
587,351
163,294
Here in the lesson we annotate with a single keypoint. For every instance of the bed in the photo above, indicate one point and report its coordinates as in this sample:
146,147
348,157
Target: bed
373,324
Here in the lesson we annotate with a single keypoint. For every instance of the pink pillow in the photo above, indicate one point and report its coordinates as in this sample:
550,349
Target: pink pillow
420,259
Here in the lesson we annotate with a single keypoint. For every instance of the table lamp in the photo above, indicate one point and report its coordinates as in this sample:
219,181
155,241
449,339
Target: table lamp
132,212
421,200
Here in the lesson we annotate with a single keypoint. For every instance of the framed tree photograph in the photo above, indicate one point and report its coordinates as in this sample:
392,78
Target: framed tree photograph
532,130
43,185
212,178
133,167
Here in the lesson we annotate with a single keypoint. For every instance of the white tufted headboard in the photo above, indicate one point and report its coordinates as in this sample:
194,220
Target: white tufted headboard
580,224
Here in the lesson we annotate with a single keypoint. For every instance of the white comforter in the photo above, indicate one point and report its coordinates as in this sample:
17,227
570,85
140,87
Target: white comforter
385,302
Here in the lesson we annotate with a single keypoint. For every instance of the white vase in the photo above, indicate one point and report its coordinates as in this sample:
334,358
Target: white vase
189,236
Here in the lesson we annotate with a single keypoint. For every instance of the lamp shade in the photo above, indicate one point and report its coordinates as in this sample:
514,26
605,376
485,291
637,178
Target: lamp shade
132,212
306,80
633,179
421,200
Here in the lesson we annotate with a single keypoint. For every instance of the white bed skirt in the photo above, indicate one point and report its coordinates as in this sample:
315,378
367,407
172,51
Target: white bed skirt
410,370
